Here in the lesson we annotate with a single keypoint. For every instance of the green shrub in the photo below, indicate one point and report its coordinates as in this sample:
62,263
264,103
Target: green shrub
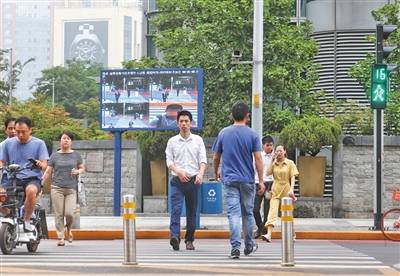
153,143
310,134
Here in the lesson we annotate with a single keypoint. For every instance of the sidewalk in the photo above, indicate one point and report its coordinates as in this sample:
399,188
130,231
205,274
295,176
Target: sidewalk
216,226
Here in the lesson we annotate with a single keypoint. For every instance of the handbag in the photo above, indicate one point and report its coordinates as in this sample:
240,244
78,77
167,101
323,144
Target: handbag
81,193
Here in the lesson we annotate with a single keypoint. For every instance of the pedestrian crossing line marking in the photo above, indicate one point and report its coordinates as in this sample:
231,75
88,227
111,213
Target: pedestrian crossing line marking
213,261
195,257
185,256
198,260
237,263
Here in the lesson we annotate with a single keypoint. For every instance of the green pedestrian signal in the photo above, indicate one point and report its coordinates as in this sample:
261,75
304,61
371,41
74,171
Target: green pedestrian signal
379,86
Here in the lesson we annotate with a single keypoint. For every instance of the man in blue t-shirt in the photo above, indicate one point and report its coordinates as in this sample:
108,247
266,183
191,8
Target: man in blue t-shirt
18,150
236,145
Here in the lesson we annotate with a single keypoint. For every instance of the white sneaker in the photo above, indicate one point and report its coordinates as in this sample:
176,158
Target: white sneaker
266,238
28,227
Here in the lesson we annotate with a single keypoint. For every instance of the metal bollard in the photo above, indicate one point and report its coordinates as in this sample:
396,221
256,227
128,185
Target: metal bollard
129,216
287,232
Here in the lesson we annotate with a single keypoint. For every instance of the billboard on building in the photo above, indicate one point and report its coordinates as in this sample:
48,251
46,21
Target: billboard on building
149,98
86,41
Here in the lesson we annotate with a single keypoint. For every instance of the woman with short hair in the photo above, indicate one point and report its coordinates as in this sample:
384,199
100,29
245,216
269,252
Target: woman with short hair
64,167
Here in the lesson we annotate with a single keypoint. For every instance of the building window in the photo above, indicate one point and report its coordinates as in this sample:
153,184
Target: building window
152,5
298,11
151,48
87,3
299,8
128,38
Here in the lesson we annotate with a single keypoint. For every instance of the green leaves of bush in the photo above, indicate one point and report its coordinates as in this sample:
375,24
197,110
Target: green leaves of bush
310,134
153,143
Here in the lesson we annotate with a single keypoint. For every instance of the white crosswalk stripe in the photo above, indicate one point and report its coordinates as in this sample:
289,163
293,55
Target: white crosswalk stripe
207,253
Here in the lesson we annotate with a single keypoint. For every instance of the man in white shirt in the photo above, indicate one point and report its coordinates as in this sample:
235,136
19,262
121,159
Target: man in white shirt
186,158
266,154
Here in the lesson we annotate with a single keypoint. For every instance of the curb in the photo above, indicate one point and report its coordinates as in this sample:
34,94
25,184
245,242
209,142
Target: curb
112,234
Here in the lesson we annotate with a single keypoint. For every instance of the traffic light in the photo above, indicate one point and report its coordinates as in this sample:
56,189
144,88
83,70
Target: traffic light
380,72
379,86
382,33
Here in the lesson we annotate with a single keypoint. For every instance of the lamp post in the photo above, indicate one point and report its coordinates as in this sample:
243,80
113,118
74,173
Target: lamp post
10,83
257,62
257,90
53,95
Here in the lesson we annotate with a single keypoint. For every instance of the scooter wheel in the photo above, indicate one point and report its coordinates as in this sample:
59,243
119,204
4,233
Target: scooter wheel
32,246
7,242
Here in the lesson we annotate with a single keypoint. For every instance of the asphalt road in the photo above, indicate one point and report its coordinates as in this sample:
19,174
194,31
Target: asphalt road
155,257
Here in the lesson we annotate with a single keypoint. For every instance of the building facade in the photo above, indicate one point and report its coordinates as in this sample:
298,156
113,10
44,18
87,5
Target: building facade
39,29
341,28
25,28
99,33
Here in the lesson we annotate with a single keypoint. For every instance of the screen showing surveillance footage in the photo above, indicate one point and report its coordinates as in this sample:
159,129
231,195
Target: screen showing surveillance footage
149,98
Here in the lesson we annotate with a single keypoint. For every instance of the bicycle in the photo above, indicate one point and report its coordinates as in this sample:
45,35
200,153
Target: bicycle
390,222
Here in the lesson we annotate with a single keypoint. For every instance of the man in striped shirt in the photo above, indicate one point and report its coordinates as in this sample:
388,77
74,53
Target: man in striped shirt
186,158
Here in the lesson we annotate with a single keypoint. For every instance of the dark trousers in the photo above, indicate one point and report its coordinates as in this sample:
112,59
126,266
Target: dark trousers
257,206
189,191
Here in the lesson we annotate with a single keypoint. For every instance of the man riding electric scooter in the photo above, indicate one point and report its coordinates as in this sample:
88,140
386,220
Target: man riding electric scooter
24,149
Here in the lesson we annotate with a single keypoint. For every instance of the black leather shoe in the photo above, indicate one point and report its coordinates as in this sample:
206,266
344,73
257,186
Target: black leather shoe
257,234
189,245
174,242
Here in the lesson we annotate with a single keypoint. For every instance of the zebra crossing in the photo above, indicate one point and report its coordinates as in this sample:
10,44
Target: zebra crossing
208,253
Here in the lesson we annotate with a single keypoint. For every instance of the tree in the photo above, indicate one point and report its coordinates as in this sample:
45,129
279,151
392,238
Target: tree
90,110
310,134
47,124
362,69
74,85
352,118
204,33
16,70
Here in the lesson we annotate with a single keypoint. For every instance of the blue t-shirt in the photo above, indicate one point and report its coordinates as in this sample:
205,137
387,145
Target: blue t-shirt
14,152
237,143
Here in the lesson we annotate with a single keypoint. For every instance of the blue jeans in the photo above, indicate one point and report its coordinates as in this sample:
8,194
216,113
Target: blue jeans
189,191
239,200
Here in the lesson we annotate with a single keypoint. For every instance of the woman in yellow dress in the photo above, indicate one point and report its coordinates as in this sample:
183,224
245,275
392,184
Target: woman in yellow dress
284,172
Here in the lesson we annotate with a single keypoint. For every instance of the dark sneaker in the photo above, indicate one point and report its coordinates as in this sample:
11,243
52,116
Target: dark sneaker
248,251
174,242
235,254
189,245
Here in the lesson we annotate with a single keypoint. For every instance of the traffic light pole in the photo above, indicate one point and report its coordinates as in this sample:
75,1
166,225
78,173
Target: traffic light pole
378,156
378,139
379,96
